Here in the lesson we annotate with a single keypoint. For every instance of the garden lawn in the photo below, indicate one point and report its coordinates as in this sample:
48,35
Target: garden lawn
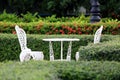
48,70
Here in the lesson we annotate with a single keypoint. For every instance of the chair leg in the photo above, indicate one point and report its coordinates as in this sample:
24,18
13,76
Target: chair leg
77,56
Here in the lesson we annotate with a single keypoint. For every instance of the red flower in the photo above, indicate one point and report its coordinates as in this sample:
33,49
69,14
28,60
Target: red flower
79,32
79,29
119,26
74,31
62,32
69,32
13,32
70,29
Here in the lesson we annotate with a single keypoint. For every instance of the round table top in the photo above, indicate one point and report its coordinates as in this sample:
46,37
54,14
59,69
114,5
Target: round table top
61,39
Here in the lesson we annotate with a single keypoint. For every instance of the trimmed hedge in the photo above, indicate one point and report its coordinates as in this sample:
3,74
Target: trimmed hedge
52,25
90,71
10,48
109,50
73,27
48,70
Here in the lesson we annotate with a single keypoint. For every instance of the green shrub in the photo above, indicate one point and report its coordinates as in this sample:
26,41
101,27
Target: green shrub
42,27
10,48
109,50
90,71
35,24
60,70
7,17
33,70
29,17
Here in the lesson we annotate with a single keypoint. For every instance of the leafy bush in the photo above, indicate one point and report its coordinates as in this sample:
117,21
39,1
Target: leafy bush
42,27
47,70
51,25
109,50
29,17
92,70
10,48
7,17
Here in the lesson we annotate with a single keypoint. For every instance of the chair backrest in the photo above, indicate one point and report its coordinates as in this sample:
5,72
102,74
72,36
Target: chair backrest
97,35
21,37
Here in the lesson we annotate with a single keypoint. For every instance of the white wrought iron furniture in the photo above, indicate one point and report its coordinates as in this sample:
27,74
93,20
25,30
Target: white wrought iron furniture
26,53
68,58
97,35
77,56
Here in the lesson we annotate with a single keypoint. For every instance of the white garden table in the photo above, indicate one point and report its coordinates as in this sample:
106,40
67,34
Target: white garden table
60,40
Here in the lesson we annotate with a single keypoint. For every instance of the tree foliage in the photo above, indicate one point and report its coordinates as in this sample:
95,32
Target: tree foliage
109,8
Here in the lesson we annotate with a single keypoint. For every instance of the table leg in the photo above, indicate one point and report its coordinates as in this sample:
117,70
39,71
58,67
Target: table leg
51,51
69,51
61,50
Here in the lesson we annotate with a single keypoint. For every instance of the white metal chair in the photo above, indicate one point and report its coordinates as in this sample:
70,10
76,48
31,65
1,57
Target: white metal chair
26,53
97,35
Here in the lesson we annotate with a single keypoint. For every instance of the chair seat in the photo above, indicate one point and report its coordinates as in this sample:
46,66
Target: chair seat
37,55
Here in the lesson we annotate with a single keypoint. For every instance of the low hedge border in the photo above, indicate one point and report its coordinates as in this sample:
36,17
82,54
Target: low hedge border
42,27
90,70
10,48
109,50
47,70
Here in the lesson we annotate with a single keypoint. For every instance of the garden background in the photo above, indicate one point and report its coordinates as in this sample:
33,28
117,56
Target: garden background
60,18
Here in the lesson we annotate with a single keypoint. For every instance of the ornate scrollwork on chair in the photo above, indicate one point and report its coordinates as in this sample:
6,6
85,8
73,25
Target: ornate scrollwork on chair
97,35
26,53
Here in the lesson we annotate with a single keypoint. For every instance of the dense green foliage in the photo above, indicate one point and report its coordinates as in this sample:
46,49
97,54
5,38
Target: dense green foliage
96,62
46,70
108,50
10,48
34,24
108,8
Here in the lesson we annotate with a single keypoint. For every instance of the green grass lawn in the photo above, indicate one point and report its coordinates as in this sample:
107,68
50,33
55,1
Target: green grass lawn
48,70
